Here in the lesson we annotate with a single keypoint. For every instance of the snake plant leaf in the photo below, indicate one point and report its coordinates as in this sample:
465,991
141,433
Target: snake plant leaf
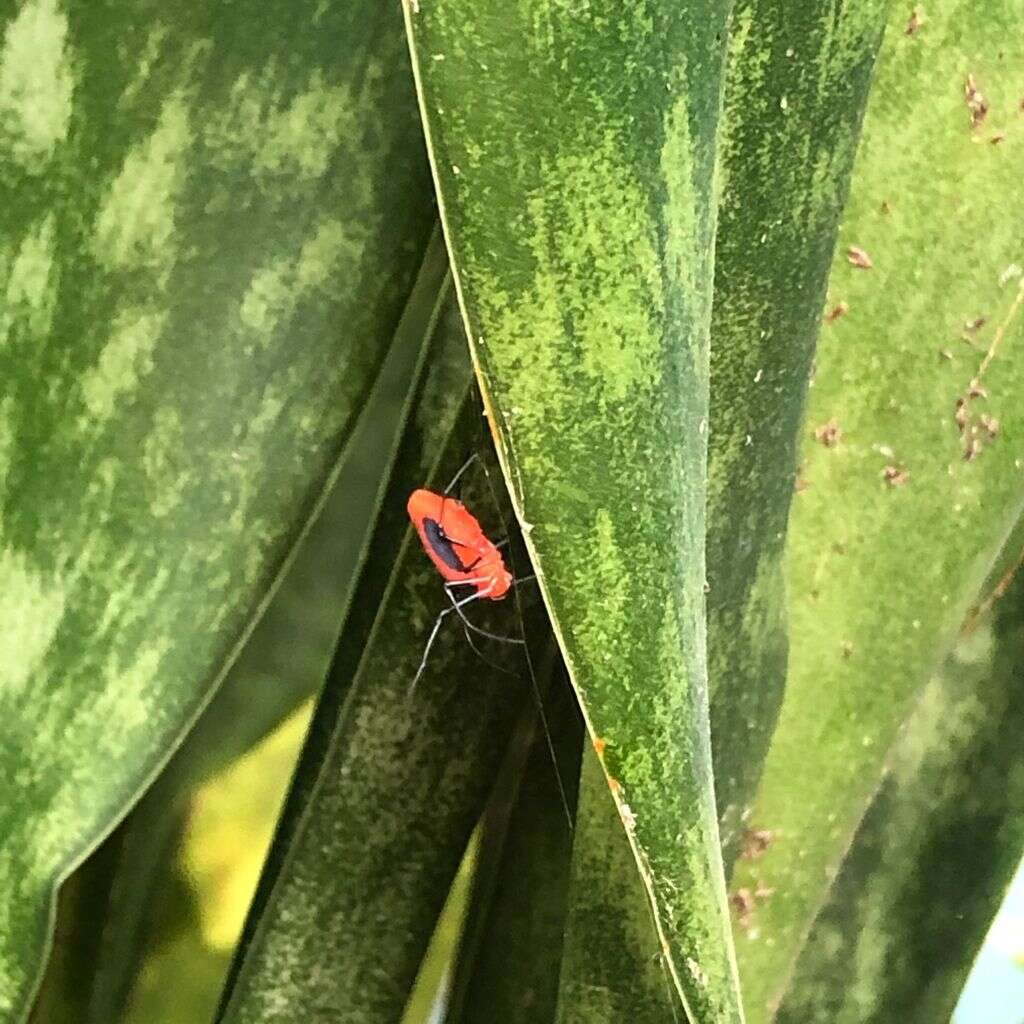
936,851
202,270
441,392
613,967
573,151
85,946
390,787
795,91
283,661
911,478
509,958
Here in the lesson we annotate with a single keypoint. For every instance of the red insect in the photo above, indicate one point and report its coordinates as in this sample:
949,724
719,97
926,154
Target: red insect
463,555
457,545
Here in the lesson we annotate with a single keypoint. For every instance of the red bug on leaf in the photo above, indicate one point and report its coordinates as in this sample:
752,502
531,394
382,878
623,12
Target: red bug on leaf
463,554
457,545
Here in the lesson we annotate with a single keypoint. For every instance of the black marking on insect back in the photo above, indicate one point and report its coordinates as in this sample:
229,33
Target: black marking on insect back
443,547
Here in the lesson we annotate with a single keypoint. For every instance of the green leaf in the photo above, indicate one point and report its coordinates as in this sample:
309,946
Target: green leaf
896,529
105,913
390,785
613,966
509,958
573,152
190,213
936,851
795,91
91,962
440,394
283,661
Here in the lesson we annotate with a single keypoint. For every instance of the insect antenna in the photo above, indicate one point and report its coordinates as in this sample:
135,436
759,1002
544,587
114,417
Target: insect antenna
475,457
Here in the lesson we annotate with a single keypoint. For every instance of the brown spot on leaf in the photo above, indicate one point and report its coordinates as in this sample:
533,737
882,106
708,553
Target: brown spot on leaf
997,138
894,476
914,23
755,842
743,903
859,258
838,310
990,425
961,414
829,434
971,326
944,353
976,102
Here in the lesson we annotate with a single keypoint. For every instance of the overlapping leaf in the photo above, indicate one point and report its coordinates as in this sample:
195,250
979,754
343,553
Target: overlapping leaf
573,149
796,87
283,662
509,959
390,783
936,851
205,254
910,476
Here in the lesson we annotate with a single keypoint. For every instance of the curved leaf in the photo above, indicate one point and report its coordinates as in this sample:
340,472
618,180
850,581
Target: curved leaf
903,511
613,966
795,91
573,151
283,661
935,853
510,955
190,213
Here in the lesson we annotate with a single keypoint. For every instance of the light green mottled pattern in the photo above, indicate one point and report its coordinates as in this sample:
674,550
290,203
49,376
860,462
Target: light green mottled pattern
36,84
880,576
161,447
796,88
284,661
574,152
29,287
936,851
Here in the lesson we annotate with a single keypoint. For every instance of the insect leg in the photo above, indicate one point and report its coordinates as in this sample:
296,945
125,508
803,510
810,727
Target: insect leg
426,653
457,607
480,654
